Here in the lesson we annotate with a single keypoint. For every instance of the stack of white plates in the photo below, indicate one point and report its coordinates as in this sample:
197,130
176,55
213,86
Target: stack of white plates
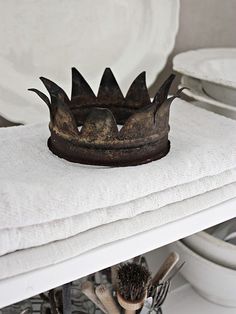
210,258
210,76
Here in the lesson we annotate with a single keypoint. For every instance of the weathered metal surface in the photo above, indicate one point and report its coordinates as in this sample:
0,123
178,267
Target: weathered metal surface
142,138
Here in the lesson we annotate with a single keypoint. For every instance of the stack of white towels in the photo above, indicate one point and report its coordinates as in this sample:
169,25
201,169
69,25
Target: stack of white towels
52,210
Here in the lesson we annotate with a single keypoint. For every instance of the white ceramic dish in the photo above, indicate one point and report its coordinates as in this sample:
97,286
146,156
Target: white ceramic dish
212,281
216,65
213,248
216,68
220,92
223,230
49,37
196,91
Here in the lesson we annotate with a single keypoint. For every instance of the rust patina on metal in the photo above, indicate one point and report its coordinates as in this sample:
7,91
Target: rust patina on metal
142,138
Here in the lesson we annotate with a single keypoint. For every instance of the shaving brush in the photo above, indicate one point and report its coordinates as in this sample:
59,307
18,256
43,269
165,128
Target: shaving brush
133,282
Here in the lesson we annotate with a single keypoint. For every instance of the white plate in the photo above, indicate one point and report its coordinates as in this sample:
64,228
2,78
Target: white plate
195,91
212,281
49,37
217,65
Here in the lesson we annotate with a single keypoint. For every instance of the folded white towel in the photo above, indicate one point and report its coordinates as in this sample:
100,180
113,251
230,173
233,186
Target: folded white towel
12,239
55,252
37,187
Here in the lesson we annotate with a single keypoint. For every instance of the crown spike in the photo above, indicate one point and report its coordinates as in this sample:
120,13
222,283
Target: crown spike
163,91
161,117
80,87
179,92
41,95
162,94
109,91
100,125
54,90
137,95
166,104
64,121
138,125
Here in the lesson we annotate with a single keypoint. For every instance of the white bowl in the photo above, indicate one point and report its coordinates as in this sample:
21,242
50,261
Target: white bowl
213,248
212,281
195,90
223,68
220,92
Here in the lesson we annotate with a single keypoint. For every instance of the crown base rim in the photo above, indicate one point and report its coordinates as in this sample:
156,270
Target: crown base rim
108,157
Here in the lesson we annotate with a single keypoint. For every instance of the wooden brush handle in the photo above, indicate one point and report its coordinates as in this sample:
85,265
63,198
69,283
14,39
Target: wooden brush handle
104,295
88,289
166,267
114,270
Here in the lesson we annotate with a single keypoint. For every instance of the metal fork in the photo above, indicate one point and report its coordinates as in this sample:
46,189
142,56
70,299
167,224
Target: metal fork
160,292
159,296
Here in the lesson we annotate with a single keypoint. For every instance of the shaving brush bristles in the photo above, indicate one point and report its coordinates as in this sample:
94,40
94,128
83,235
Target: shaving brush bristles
133,281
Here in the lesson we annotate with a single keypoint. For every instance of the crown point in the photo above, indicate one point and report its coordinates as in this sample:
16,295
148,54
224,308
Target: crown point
63,121
45,80
109,91
41,95
108,69
54,90
163,91
99,125
161,116
81,89
137,95
138,126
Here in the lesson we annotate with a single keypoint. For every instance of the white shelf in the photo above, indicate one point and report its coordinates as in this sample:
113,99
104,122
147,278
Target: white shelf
29,284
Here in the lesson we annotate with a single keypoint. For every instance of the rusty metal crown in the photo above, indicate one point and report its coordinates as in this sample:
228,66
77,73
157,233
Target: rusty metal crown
84,129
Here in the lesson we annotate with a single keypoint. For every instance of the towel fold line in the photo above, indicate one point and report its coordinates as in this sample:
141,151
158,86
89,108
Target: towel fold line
30,259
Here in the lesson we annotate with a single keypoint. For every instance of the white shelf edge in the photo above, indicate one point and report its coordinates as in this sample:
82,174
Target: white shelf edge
29,284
